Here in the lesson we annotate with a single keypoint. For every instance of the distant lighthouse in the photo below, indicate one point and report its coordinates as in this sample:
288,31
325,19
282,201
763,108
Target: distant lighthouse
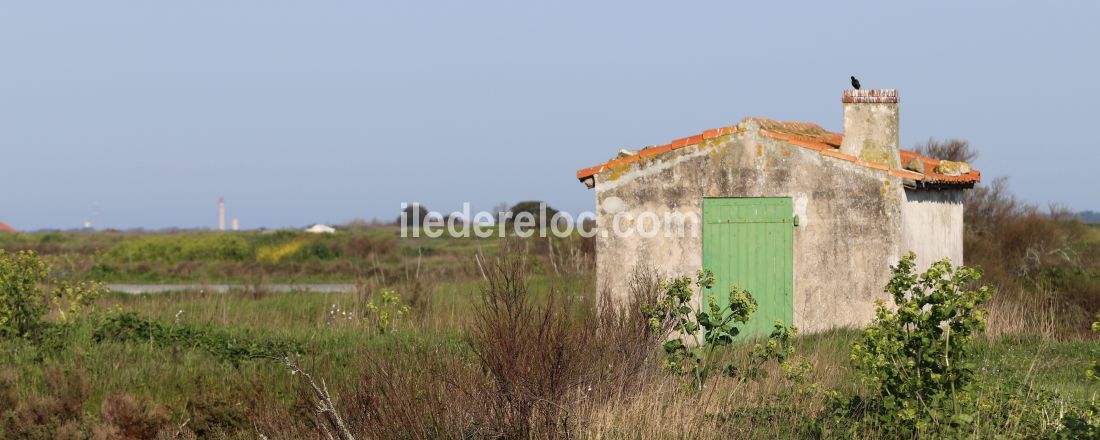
221,213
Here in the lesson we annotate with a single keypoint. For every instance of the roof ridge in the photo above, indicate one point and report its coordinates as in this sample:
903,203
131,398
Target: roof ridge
807,135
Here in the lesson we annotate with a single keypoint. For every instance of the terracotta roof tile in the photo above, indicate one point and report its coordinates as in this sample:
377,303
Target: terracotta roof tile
906,174
802,134
837,154
931,176
876,166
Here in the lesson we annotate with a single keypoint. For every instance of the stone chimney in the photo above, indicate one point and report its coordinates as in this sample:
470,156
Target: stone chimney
871,126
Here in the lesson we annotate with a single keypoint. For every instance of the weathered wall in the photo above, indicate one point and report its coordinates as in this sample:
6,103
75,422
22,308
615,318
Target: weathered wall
932,225
850,219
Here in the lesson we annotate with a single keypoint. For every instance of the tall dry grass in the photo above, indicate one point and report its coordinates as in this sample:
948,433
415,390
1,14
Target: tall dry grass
538,362
548,363
1041,262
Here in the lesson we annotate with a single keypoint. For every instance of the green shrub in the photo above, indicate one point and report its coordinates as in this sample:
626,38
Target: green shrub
279,236
27,294
103,271
22,302
688,355
318,249
52,237
915,358
532,207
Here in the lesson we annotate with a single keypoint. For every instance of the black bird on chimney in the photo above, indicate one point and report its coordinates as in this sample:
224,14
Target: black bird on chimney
855,83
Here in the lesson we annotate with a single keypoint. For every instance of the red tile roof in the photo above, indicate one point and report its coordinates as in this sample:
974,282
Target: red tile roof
4,227
803,134
974,176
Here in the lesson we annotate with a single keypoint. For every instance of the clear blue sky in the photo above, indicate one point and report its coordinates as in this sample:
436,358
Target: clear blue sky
142,113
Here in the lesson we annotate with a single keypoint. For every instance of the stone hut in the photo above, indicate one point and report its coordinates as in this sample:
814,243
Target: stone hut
805,219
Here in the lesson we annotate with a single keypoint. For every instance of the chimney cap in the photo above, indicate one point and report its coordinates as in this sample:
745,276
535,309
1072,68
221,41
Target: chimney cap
872,96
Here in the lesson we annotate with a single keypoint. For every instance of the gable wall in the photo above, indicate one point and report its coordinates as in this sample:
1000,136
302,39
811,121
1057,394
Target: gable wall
932,223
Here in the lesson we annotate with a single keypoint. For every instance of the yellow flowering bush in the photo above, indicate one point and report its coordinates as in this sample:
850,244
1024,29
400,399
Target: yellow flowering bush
275,253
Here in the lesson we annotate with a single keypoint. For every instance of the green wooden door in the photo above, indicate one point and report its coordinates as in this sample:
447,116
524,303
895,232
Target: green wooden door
750,242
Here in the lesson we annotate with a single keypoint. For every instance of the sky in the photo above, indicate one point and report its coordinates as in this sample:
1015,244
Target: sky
141,114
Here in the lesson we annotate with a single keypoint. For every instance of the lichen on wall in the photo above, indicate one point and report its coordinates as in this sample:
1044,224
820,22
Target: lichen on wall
871,133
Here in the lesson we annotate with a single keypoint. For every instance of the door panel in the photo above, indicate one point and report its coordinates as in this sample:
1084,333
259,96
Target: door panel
750,242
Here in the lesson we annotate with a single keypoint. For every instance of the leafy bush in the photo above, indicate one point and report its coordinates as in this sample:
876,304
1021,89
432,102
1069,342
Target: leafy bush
673,313
414,213
103,271
218,343
915,358
532,207
27,294
22,303
319,249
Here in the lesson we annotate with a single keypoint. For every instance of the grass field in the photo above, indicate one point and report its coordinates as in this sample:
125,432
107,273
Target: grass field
194,364
218,397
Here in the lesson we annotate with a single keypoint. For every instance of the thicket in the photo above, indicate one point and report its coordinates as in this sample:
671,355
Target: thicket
1045,264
